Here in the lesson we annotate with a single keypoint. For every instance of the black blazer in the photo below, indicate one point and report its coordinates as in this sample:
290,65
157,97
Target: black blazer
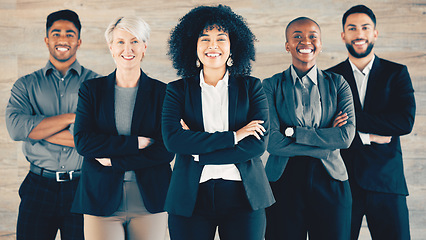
247,102
95,135
389,110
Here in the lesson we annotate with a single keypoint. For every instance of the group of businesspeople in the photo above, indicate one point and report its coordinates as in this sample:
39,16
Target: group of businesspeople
100,147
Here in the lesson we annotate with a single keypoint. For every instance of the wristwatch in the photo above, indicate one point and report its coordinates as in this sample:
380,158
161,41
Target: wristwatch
289,132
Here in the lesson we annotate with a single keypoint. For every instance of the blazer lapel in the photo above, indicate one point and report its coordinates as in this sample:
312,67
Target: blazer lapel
323,86
352,83
232,101
109,101
288,94
194,95
141,102
372,81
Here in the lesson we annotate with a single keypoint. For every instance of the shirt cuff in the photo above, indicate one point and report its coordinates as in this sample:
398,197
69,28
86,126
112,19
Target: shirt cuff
235,138
365,138
196,158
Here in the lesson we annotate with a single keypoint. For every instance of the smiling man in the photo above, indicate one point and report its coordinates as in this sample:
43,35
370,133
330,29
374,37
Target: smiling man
40,112
384,109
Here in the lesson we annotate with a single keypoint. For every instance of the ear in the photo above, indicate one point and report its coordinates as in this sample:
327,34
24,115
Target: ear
342,35
287,47
78,43
46,40
376,34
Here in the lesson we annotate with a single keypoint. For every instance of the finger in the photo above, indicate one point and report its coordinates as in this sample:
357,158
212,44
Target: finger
254,133
259,130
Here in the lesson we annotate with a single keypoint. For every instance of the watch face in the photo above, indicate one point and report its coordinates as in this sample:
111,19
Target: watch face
289,132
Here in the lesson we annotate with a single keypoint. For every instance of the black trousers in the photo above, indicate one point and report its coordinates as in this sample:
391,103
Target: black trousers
45,208
309,201
220,204
386,214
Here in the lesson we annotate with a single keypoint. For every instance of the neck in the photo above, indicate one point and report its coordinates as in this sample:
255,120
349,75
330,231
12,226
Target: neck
127,78
361,63
213,76
62,67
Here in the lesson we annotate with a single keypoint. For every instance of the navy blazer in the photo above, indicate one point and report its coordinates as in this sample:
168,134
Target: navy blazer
323,142
95,135
389,110
247,102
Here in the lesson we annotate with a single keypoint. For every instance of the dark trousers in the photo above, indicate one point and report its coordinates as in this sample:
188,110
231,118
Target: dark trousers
386,214
45,208
220,204
309,201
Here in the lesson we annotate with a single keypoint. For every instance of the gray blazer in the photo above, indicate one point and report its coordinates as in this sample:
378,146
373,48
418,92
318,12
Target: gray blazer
323,142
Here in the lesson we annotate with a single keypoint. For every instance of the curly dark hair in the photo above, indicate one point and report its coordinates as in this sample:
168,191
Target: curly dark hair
184,37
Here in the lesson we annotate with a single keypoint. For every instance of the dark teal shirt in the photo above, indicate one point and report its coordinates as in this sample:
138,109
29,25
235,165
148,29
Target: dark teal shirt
41,94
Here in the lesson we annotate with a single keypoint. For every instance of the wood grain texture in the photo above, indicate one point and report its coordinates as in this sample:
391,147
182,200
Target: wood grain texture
402,38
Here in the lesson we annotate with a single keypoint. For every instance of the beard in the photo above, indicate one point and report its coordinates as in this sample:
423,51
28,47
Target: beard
352,51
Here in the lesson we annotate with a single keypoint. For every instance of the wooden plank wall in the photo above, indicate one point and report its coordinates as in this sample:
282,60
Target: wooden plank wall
402,35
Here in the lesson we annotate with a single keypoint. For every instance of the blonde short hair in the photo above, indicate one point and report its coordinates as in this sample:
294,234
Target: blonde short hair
132,24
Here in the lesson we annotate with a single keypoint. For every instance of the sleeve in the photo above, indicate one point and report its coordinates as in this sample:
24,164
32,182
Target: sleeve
398,118
332,137
279,144
249,147
180,141
20,116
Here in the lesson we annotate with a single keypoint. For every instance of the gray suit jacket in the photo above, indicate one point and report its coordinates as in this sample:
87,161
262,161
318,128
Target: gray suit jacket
323,142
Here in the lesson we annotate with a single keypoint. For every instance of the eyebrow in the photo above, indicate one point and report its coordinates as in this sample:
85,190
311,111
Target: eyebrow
68,31
302,32
206,35
362,25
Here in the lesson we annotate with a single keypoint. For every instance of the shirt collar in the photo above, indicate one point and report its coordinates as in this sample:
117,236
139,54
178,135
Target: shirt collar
223,82
367,68
312,74
75,66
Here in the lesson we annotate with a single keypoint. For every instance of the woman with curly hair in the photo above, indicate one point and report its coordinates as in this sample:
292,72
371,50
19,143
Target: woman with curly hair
216,120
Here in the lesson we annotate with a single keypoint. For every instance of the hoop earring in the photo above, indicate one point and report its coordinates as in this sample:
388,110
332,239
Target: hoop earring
229,62
197,63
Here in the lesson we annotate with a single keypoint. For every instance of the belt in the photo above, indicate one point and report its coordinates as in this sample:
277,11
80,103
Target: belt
60,176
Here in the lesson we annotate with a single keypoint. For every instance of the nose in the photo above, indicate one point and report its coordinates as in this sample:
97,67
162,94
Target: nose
128,48
212,45
305,40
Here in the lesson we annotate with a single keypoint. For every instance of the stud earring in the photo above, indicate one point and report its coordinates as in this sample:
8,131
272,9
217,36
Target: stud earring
229,62
197,63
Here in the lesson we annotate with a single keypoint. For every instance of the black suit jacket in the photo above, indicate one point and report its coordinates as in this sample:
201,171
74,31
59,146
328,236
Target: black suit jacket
95,135
247,102
389,110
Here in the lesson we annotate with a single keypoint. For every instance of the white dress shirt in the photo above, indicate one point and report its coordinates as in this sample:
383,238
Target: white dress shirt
215,104
361,80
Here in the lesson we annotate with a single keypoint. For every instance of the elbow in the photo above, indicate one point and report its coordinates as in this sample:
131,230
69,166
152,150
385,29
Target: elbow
81,146
349,137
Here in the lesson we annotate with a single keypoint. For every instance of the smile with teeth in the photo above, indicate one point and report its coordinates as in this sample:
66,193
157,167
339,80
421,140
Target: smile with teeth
213,54
128,57
62,49
305,50
359,42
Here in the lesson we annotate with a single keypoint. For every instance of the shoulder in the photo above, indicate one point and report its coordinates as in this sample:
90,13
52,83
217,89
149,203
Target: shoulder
338,66
389,65
94,83
156,84
334,80
31,77
274,78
